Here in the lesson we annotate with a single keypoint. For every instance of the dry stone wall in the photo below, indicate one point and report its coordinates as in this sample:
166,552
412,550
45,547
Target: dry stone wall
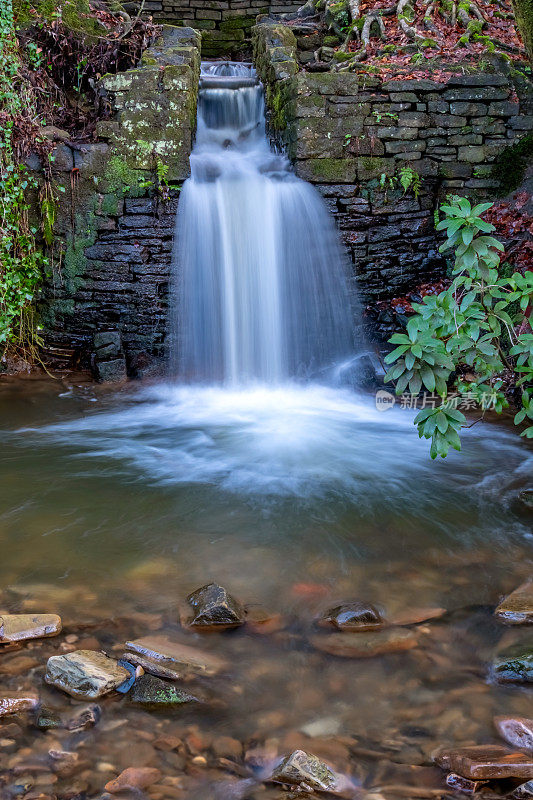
113,234
352,134
225,25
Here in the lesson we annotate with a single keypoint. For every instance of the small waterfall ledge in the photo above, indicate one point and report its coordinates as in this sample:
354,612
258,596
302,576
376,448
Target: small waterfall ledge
261,285
113,239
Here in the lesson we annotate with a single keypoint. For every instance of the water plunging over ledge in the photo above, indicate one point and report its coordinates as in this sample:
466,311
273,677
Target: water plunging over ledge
261,290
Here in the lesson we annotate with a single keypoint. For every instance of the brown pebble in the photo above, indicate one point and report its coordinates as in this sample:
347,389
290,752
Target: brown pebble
133,778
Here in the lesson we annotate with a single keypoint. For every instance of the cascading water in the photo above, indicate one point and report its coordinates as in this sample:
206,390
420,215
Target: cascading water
262,333
261,290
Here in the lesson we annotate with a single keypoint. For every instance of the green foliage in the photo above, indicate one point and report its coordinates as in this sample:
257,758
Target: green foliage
479,325
407,178
21,262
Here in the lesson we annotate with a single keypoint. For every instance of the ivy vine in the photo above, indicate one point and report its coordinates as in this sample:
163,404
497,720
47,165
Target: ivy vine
21,261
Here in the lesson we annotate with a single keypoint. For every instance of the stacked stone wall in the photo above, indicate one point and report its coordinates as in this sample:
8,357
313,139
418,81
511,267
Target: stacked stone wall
110,261
225,25
352,134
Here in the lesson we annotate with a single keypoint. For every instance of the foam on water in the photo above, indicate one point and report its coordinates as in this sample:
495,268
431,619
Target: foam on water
299,440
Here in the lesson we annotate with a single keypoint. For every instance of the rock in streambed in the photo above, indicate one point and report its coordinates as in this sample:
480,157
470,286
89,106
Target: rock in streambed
21,627
154,693
306,770
366,645
87,674
517,608
16,701
517,731
167,658
353,616
486,762
215,609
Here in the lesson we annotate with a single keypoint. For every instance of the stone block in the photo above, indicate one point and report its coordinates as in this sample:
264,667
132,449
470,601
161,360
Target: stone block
503,108
466,109
328,170
469,94
405,147
472,155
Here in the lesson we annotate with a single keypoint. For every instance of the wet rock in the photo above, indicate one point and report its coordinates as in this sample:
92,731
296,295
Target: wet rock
85,673
13,702
366,645
20,627
463,785
517,608
524,791
215,608
46,719
258,620
133,778
486,761
354,616
303,768
170,659
517,731
514,665
415,616
84,718
154,693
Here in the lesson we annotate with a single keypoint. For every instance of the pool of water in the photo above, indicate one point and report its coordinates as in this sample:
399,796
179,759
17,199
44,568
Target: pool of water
115,505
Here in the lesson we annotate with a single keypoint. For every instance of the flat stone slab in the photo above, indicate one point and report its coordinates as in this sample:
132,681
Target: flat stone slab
20,627
13,702
366,645
85,673
486,761
517,608
517,731
170,659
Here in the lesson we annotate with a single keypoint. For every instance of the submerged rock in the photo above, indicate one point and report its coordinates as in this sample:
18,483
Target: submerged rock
517,731
517,608
133,778
215,608
84,718
13,702
366,645
85,673
354,616
514,665
154,693
46,719
20,627
486,761
170,659
415,616
303,768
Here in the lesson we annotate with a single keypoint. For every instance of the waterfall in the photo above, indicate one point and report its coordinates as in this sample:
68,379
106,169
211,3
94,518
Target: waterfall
260,289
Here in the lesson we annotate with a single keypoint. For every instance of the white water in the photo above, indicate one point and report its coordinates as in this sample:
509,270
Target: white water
261,289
